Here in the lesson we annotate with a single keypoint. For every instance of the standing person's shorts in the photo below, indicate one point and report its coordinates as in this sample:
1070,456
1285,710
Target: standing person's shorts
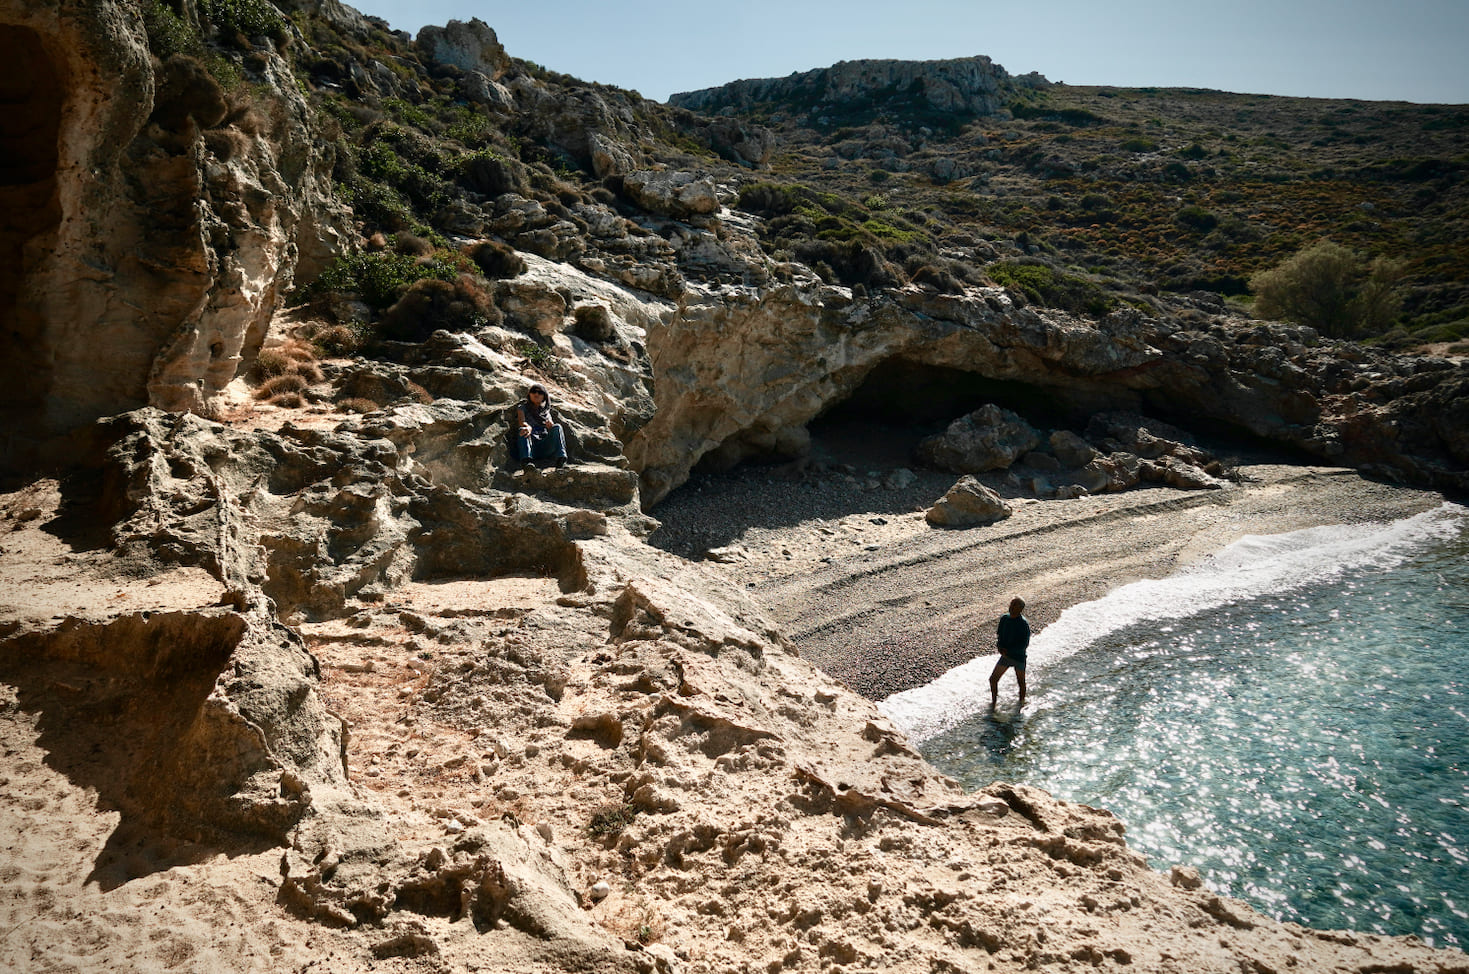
1008,657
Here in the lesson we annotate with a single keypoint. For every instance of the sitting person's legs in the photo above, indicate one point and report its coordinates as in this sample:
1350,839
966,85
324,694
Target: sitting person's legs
551,445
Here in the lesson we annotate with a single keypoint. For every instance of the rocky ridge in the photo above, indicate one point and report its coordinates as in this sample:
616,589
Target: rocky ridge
958,86
549,779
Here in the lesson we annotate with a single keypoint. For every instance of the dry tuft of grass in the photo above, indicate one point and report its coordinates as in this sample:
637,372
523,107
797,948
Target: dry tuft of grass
285,371
280,385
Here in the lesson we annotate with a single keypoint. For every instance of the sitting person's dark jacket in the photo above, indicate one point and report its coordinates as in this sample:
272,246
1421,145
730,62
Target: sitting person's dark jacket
537,435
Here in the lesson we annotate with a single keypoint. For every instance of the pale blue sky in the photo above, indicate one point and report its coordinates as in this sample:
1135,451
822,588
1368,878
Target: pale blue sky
1381,50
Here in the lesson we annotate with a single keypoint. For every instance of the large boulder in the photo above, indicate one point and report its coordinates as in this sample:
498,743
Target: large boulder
749,145
968,504
1071,450
672,193
990,438
1111,473
470,47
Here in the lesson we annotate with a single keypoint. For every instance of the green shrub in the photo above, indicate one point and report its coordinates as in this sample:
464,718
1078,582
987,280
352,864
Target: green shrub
168,33
939,279
490,172
379,161
430,304
1331,289
883,230
378,204
1194,217
538,357
848,262
769,199
1071,116
246,18
1177,172
379,278
1044,285
498,261
402,111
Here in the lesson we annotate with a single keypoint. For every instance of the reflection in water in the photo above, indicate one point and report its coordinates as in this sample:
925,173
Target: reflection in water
1000,731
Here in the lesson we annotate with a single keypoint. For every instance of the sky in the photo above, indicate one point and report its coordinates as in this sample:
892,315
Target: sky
1376,50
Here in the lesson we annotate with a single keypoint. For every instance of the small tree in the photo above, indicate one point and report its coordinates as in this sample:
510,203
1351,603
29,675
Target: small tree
1331,289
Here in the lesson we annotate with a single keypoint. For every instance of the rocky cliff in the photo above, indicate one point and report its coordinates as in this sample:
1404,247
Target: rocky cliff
958,86
154,222
482,718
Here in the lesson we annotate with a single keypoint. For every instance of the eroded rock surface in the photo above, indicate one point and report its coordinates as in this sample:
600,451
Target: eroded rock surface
462,709
167,221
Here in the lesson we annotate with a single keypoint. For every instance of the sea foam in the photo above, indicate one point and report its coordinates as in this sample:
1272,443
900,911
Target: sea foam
1254,566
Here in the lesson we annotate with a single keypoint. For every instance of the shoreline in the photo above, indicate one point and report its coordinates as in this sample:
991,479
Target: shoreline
886,603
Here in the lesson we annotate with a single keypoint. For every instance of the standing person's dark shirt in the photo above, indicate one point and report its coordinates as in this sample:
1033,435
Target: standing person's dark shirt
1013,637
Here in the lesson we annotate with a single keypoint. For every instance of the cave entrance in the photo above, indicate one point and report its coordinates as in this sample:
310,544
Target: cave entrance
31,100
902,401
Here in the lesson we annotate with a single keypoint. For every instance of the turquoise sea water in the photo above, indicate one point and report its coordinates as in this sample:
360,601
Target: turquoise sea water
1291,717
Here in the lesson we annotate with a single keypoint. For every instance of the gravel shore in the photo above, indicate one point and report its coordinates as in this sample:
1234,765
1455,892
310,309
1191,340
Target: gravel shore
841,557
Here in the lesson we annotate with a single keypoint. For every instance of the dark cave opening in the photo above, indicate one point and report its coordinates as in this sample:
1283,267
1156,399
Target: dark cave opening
929,397
31,101
910,400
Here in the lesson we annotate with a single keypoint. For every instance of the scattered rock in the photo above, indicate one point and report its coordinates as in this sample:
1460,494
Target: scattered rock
968,504
1185,877
1071,450
676,194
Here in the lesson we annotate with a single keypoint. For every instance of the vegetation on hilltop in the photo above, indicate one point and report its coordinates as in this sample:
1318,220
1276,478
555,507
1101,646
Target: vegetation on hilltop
1126,191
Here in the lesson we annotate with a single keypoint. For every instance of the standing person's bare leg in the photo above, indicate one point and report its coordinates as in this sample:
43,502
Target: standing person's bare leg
998,672
1020,679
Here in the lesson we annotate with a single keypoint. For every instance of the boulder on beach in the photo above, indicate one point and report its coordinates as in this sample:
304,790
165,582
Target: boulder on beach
968,504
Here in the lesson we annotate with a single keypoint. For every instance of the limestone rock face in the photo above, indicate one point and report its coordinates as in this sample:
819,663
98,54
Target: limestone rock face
960,85
470,46
585,124
675,194
728,384
156,222
990,438
744,143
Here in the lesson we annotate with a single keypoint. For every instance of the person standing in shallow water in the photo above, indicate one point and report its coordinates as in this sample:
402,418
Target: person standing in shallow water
1012,636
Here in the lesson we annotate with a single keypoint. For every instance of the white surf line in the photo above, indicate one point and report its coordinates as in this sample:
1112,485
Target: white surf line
1253,566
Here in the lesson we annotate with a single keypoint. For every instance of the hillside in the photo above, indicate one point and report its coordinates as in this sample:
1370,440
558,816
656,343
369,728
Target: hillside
301,669
1121,194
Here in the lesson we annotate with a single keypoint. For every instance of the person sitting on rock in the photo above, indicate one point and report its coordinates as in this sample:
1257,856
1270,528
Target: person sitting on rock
1012,638
539,437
